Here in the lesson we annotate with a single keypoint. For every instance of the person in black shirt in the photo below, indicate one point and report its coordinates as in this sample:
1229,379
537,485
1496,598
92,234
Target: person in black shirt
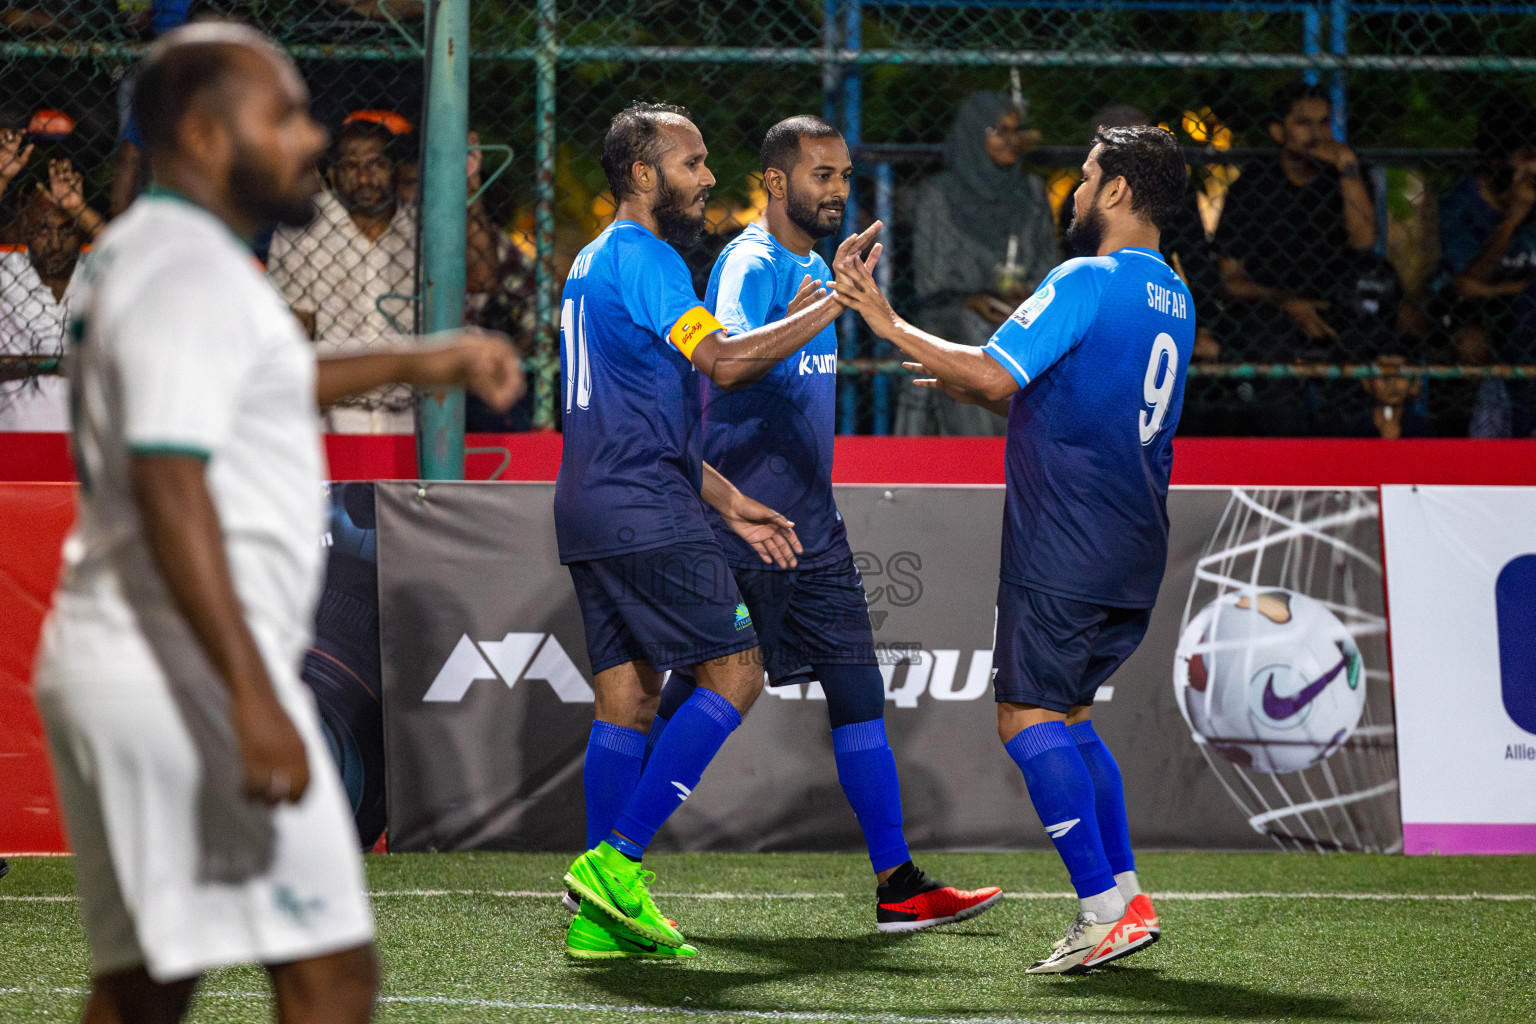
1295,235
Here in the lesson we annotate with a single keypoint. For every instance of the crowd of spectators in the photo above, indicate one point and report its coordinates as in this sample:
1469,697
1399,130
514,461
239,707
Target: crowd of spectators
1287,266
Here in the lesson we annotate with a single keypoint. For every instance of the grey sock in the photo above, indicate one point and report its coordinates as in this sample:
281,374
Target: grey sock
1129,887
1106,907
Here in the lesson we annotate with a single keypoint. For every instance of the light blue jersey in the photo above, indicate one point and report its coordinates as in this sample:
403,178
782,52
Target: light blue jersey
1100,353
773,438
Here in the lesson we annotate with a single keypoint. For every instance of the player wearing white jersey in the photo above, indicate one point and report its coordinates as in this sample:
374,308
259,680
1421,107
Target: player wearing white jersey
207,819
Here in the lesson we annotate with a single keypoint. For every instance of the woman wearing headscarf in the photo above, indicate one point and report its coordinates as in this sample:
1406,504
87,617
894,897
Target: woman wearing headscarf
983,240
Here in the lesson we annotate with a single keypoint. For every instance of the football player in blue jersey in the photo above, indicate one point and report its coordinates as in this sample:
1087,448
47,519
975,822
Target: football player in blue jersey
1090,373
773,440
654,587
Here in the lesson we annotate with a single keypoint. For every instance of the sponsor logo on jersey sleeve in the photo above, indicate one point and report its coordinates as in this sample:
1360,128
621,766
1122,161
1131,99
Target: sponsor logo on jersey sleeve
1033,306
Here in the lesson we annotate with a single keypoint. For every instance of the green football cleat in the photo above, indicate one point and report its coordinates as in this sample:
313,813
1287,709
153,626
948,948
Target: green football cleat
595,936
617,885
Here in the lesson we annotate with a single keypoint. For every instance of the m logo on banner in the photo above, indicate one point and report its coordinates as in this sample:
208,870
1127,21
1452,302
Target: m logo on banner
516,656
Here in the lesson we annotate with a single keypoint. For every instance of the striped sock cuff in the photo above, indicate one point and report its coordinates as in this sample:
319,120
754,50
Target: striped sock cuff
715,706
1038,739
850,739
629,742
1082,733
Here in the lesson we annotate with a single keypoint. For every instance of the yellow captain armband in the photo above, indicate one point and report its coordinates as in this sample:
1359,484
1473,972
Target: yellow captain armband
691,328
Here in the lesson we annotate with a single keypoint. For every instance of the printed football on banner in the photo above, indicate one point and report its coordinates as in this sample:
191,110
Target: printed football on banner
1281,668
1271,679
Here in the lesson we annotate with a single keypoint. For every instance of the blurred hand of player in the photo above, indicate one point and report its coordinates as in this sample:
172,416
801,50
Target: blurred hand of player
1308,316
990,308
13,155
855,284
1522,190
770,534
955,391
274,766
1330,150
809,293
488,365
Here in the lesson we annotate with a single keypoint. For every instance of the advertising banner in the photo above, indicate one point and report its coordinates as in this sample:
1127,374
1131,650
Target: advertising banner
1461,572
488,699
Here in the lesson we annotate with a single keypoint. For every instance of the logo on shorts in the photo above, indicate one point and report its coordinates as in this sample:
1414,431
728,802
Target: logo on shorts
743,617
286,901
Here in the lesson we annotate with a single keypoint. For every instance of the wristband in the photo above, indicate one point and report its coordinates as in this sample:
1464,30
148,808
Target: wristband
691,328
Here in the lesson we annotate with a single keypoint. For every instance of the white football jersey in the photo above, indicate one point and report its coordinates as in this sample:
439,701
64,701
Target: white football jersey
181,345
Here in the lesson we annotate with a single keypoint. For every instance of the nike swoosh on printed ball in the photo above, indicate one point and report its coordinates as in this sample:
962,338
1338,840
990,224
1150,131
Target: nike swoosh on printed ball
1284,707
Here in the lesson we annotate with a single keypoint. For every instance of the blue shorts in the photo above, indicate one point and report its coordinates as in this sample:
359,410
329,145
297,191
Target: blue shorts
675,606
808,617
1055,652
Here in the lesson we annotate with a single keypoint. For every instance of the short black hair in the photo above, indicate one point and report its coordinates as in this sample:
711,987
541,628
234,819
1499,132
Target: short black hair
635,134
394,148
781,146
1152,164
1286,98
181,66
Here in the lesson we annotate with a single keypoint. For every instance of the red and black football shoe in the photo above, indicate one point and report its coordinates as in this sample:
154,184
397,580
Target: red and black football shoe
910,901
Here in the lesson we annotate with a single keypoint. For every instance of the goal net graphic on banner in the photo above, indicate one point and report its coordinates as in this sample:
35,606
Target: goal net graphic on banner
1282,671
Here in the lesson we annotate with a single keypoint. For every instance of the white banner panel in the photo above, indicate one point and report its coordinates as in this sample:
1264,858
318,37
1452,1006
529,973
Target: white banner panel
1461,588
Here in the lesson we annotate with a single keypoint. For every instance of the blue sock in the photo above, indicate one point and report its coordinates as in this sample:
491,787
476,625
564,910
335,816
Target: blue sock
692,738
609,774
1062,790
1108,797
867,769
680,686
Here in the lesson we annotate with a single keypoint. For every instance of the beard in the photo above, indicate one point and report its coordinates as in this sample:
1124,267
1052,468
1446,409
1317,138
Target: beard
255,186
1086,233
680,225
810,217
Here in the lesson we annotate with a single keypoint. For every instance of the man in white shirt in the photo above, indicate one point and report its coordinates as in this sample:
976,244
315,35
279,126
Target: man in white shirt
350,274
207,818
38,282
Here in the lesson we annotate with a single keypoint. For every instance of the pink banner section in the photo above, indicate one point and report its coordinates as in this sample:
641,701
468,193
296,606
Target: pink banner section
1454,839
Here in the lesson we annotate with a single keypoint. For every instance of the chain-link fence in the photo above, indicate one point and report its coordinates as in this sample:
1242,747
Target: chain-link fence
1314,265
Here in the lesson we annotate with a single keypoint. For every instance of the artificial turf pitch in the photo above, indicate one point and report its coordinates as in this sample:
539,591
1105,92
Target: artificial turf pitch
790,937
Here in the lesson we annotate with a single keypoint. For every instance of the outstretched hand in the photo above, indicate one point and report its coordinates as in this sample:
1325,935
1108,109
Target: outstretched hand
13,154
855,284
770,534
809,293
964,396
486,364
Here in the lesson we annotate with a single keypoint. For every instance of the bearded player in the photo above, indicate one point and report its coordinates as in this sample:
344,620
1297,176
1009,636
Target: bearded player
651,578
207,818
1090,373
773,439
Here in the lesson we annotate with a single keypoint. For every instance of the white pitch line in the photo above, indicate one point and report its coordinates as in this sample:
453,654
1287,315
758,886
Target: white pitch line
1372,897
591,1008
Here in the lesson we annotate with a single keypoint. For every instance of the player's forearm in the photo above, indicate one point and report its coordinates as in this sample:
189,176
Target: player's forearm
964,366
1485,267
719,492
339,377
733,362
182,528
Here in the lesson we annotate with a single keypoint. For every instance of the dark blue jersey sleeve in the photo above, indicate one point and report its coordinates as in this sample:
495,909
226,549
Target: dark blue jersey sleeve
1049,323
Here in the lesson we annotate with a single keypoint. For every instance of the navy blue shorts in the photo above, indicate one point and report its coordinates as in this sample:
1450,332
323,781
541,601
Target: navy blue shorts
1055,652
675,607
808,617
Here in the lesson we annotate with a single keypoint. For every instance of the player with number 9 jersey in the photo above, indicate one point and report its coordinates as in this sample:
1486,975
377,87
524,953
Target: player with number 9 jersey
1099,353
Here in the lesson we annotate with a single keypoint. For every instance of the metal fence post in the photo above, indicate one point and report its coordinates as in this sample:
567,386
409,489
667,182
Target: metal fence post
444,198
546,393
853,103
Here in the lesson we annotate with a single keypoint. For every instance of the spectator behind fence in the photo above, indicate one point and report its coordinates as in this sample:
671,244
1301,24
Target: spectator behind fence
1295,244
982,242
350,276
1394,408
38,284
1483,294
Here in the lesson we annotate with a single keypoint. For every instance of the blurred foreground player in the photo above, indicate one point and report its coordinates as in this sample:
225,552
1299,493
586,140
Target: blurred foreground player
207,819
653,583
773,439
1090,373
